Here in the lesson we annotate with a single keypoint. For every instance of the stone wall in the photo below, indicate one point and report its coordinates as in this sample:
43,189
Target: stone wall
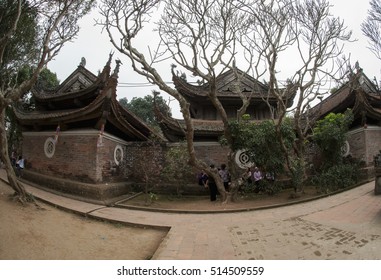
373,143
356,140
365,143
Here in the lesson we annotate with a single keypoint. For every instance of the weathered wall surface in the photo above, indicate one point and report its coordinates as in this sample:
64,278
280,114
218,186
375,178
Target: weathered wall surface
72,157
80,156
365,143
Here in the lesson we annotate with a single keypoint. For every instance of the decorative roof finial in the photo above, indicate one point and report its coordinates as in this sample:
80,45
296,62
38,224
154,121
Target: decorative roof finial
110,58
83,62
116,70
357,67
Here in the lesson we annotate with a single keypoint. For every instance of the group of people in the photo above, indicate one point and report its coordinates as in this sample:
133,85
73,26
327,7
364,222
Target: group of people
256,176
209,182
250,177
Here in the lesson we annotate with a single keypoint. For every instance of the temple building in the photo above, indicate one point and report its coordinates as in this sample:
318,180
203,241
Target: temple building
232,86
79,140
363,97
207,122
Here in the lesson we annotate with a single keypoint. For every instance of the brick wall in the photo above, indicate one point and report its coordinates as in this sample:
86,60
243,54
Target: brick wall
211,153
74,155
78,157
144,161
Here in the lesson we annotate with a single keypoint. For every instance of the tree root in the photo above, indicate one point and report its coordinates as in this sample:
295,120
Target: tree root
26,199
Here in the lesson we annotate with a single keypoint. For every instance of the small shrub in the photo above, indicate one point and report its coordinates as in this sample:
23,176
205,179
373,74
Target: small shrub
337,177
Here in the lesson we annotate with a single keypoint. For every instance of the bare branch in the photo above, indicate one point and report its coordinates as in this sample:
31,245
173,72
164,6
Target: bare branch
371,27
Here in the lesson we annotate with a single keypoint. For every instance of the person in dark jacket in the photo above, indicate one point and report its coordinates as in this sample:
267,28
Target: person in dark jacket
212,184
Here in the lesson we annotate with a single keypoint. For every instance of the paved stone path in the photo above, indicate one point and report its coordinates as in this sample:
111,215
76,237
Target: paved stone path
343,226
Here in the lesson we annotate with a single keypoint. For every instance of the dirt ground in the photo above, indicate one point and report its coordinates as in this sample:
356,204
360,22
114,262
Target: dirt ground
243,201
27,233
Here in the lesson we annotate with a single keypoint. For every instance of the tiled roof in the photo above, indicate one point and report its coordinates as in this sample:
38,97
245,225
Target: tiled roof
359,93
228,87
102,108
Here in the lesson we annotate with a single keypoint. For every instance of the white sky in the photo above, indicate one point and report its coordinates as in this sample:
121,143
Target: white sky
95,47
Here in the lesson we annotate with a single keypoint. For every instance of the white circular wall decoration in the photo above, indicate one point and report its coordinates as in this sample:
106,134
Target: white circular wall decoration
242,159
118,154
345,149
50,147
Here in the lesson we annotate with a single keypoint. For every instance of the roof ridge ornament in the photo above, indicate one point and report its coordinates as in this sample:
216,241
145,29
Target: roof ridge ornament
116,70
83,62
110,58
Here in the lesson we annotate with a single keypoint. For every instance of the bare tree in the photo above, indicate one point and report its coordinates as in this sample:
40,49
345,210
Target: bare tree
57,24
312,39
199,36
371,27
207,37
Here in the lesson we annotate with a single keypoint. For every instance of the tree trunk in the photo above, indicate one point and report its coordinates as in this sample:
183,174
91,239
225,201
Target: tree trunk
19,189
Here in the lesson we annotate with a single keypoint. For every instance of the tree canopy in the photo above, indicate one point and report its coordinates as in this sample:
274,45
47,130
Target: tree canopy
144,107
32,33
257,139
371,27
330,135
207,37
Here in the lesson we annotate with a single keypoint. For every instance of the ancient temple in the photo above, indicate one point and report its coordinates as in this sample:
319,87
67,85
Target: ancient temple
207,122
79,140
363,97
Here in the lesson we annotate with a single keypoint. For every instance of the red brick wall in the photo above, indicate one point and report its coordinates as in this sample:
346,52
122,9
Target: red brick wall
78,157
144,159
211,153
74,156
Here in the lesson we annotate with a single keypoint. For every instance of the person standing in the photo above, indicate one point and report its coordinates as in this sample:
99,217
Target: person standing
224,174
211,183
13,158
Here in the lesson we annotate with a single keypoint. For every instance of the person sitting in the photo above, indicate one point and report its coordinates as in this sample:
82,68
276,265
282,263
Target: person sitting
257,179
248,176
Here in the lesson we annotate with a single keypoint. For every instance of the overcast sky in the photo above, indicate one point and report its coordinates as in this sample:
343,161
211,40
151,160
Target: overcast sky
95,47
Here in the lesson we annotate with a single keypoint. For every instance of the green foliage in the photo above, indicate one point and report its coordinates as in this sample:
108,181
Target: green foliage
176,166
337,177
265,186
144,107
47,80
261,142
152,197
330,136
22,48
297,174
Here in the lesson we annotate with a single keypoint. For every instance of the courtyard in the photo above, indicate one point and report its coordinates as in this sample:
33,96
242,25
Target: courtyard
342,226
